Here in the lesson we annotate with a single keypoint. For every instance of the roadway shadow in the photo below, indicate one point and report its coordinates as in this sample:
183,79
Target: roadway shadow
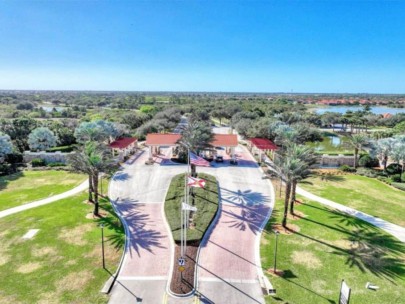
247,218
141,235
121,176
247,197
135,157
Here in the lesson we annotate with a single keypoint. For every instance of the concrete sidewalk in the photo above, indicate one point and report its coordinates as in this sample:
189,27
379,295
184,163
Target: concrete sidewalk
82,187
395,230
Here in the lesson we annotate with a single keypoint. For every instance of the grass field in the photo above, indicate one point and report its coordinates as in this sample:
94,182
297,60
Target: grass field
362,193
206,201
62,263
29,186
329,247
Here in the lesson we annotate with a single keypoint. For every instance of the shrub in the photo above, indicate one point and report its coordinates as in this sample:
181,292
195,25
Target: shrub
393,169
368,162
14,158
38,162
366,172
396,178
346,168
56,164
384,179
400,186
6,169
65,149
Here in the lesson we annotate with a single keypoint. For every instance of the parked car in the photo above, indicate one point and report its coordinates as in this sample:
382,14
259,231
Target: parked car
219,159
208,157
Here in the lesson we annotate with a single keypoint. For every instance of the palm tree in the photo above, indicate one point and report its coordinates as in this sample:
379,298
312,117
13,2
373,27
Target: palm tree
91,160
398,153
382,149
195,136
307,157
288,168
357,141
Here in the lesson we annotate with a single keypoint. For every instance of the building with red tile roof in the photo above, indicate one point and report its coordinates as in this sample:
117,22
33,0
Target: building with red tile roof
124,147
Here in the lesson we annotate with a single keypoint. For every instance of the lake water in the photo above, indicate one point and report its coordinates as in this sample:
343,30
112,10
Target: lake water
50,109
344,109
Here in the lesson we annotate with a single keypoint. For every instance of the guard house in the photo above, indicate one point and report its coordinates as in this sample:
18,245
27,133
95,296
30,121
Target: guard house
260,145
123,147
156,140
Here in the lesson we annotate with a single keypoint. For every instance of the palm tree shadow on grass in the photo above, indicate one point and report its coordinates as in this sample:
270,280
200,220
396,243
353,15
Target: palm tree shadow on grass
369,248
5,180
141,237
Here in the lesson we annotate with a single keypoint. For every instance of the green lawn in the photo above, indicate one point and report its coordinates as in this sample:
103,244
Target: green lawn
206,201
329,247
62,263
28,186
362,193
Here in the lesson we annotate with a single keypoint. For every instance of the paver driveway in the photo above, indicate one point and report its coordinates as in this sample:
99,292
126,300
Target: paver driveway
229,262
138,192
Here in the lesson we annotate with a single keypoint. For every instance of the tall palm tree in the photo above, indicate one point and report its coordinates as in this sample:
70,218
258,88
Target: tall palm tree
288,168
357,141
91,160
307,157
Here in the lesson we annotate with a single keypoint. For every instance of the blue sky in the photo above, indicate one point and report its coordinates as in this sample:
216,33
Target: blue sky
249,46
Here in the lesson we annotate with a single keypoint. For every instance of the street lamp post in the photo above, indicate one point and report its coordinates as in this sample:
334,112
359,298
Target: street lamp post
275,252
102,244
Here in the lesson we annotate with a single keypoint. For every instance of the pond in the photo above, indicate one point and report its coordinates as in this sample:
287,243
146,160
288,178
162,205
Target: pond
344,109
331,144
50,109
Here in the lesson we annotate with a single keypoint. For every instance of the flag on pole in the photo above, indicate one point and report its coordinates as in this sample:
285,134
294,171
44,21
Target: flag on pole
195,182
185,206
198,161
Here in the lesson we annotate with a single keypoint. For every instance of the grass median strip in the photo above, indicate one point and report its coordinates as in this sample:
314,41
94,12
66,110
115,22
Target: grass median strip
206,201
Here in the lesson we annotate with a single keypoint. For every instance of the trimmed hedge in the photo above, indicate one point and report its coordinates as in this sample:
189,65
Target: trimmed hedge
38,162
400,186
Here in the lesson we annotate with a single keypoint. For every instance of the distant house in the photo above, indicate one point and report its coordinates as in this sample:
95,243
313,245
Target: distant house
124,147
387,115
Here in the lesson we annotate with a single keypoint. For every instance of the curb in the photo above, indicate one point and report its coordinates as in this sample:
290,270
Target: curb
111,280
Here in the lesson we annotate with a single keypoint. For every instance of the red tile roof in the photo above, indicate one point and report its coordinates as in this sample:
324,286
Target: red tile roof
263,144
387,115
159,139
225,140
220,140
122,143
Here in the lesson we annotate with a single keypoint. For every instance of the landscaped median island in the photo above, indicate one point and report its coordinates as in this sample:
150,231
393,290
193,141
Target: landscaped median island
362,193
206,202
62,262
28,186
329,246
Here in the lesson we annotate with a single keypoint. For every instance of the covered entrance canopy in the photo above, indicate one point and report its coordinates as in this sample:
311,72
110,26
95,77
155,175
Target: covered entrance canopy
258,145
156,140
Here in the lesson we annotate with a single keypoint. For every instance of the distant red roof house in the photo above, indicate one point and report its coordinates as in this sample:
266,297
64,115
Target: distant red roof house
170,139
123,143
387,115
263,144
